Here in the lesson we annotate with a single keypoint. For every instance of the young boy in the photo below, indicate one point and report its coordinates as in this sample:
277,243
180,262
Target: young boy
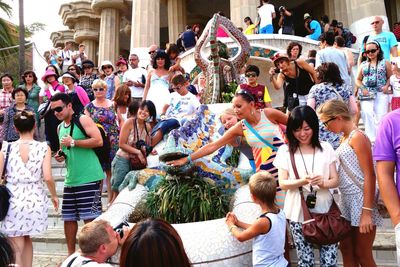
269,229
182,105
259,91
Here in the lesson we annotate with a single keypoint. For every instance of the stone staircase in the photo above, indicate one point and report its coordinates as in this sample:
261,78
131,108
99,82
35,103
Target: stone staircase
50,249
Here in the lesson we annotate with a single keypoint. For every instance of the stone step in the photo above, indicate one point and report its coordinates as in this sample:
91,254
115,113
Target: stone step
53,243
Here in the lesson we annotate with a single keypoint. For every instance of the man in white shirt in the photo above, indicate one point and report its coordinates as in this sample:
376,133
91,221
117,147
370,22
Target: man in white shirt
266,14
182,106
80,55
97,242
135,78
66,56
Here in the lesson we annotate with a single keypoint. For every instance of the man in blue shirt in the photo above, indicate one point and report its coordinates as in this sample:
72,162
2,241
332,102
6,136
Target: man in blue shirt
387,40
188,38
312,26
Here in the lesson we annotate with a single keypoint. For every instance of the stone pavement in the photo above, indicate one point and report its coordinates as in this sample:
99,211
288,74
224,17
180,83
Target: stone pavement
40,260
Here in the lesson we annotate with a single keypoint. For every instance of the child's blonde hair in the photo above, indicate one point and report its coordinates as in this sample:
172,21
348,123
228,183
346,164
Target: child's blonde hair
334,108
263,187
228,111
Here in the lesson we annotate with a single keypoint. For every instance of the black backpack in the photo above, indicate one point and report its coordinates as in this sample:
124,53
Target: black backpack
102,152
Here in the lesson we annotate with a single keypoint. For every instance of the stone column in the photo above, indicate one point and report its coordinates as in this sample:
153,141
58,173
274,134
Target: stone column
109,28
362,12
176,18
337,10
145,23
241,9
91,48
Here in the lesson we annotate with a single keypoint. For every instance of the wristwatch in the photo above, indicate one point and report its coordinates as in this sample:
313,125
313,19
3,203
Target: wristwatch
72,143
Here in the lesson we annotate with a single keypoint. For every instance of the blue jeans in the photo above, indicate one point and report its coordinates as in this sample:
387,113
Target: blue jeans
267,29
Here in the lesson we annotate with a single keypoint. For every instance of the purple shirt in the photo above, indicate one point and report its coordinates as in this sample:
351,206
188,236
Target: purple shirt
387,144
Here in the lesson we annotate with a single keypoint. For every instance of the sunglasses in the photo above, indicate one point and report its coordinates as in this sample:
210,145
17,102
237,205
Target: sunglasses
176,88
28,76
371,51
58,109
107,67
98,89
72,69
325,123
245,93
250,74
151,52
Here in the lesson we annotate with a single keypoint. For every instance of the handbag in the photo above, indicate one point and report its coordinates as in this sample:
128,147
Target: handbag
136,164
322,228
4,192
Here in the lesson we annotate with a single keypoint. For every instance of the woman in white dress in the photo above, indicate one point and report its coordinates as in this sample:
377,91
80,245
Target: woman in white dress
157,83
28,162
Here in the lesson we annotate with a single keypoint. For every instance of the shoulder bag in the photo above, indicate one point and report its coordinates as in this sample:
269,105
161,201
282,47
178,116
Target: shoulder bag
322,228
4,192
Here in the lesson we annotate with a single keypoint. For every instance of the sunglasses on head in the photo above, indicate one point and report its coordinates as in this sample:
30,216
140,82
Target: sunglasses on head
58,109
251,74
98,89
245,93
371,51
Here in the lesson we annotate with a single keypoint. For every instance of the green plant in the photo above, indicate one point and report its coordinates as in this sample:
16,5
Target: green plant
186,200
229,91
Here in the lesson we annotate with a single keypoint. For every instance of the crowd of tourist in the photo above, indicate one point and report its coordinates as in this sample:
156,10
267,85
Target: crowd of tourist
114,115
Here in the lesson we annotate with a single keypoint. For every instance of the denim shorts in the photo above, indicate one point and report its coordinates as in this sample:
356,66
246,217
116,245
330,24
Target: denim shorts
166,126
120,167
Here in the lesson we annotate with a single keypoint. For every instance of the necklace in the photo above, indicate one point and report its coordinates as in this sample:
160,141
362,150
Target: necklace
313,158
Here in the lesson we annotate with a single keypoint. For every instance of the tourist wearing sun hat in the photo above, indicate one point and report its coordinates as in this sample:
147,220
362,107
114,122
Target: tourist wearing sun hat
312,26
108,69
88,77
78,95
122,67
296,88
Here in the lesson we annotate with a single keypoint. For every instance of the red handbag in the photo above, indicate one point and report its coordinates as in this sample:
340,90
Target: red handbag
322,228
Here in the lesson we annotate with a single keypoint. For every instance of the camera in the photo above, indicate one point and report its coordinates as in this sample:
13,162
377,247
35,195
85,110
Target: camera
311,200
61,153
142,144
281,8
120,229
277,70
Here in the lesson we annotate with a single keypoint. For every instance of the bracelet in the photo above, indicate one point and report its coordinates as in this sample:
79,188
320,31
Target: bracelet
189,159
365,208
230,228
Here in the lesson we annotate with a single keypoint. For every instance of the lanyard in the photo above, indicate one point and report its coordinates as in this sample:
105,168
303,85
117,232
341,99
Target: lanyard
305,167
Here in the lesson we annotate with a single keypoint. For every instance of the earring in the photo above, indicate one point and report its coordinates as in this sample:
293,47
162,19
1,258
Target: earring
252,113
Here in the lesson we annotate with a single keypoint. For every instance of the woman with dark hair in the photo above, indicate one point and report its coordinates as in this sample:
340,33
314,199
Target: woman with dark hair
173,53
78,95
52,87
87,78
196,29
357,184
8,131
134,129
373,80
331,86
250,27
122,99
30,85
157,82
102,111
294,50
316,164
153,243
75,69
29,164
298,76
5,95
7,257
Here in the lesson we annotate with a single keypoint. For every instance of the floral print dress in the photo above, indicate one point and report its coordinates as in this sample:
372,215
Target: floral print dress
323,92
108,119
